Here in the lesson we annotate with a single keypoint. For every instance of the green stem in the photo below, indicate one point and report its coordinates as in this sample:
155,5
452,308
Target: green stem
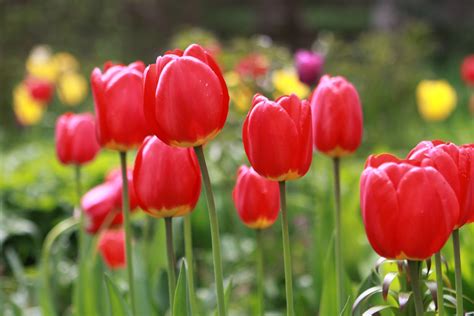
171,259
128,229
458,275
188,249
260,274
439,283
414,270
286,251
80,286
337,237
216,244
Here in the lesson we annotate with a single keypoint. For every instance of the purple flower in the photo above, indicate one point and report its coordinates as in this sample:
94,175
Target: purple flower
309,66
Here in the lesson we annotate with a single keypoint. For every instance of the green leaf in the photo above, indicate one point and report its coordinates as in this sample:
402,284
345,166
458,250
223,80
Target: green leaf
227,295
375,310
118,306
180,294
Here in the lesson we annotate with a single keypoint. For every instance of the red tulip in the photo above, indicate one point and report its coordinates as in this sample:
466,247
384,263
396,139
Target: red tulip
337,117
112,248
76,141
467,70
277,137
41,90
167,179
252,66
256,199
186,98
118,96
409,210
456,165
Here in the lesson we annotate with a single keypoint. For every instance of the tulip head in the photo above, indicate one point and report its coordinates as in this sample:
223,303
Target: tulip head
28,111
337,117
167,180
409,210
72,88
40,90
436,99
118,98
277,137
286,81
111,246
76,140
186,98
467,70
256,199
309,66
252,66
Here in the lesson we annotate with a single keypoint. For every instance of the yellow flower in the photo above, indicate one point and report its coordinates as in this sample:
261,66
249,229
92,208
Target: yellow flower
41,64
240,94
66,62
72,88
286,81
27,110
436,99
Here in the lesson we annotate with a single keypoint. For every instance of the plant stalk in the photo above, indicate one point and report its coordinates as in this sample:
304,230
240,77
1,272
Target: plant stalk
414,270
337,238
171,259
439,283
286,251
260,274
458,274
188,249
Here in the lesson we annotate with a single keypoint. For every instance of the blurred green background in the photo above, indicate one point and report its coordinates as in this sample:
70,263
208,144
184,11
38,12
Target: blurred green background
384,47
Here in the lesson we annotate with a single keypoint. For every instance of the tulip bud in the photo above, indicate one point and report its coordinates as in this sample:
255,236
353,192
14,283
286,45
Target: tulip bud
436,99
72,88
112,248
256,199
28,111
186,98
40,90
118,98
337,117
167,180
409,211
467,70
309,66
76,140
277,137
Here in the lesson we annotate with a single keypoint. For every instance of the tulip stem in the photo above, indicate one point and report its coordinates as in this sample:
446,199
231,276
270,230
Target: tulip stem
439,283
171,260
260,275
80,287
188,249
414,270
337,237
286,251
128,229
458,275
216,244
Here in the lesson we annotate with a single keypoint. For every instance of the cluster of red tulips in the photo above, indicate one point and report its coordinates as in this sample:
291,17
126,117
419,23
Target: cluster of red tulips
170,109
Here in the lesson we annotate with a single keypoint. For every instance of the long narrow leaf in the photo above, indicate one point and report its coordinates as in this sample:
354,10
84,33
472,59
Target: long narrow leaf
118,306
180,299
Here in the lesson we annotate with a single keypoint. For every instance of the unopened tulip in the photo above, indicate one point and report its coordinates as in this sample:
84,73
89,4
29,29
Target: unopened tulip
186,97
467,70
118,97
277,137
337,117
28,111
167,180
112,248
309,66
72,88
76,140
41,90
436,99
456,164
256,199
409,210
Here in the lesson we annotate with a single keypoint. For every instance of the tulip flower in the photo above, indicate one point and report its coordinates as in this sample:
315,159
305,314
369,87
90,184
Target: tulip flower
118,97
41,64
72,88
76,141
337,117
467,70
277,137
309,66
240,94
112,248
167,180
256,199
252,66
28,111
436,99
186,98
286,81
66,62
39,89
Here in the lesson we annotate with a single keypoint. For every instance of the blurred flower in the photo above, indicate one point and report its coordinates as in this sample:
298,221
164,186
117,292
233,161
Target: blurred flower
337,117
72,88
66,62
309,66
277,137
111,246
240,93
409,211
28,111
256,199
41,90
285,82
252,66
41,64
76,140
467,70
187,104
436,99
167,180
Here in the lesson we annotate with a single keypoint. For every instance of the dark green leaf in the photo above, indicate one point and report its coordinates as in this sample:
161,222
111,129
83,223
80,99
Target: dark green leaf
365,295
